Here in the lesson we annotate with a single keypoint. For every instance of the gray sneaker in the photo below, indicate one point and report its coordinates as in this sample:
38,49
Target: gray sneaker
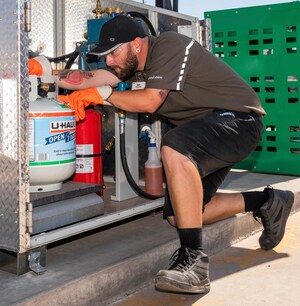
274,214
187,273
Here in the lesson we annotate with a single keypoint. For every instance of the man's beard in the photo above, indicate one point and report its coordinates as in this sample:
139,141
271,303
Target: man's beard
131,65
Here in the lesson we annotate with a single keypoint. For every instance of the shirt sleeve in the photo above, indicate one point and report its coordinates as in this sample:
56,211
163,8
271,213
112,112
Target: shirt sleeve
170,62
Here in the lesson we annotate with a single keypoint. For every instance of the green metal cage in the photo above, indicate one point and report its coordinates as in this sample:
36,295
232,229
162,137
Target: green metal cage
261,43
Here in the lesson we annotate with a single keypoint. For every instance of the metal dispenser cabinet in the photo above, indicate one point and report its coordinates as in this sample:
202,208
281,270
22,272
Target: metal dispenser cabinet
53,28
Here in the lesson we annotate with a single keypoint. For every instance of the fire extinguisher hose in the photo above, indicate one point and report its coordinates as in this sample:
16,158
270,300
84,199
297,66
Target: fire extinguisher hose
129,177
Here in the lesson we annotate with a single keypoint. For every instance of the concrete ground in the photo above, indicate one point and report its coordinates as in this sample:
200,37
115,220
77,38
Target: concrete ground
105,265
242,274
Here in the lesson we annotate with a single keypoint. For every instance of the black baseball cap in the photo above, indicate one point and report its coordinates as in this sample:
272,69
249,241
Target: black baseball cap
120,29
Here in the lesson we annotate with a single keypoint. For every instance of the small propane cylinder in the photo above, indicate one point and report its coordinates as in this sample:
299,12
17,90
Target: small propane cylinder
153,171
52,146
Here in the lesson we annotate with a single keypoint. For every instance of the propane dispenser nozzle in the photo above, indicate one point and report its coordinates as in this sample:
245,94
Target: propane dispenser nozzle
122,117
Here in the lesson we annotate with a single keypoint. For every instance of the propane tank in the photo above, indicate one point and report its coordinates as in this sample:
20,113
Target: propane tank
89,149
51,144
153,169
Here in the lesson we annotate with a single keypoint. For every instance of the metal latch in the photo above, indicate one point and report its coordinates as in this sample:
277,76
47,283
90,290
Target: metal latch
34,259
27,16
29,218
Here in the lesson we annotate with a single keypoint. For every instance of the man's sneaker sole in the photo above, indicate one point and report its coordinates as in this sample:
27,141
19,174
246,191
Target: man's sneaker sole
268,243
167,284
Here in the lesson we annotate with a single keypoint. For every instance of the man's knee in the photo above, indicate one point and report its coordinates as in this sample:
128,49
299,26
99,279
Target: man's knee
171,157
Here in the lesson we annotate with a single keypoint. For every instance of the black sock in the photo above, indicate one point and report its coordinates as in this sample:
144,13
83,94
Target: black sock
191,238
254,199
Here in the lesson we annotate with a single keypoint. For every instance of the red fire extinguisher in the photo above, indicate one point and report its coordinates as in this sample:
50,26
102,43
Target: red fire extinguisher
89,149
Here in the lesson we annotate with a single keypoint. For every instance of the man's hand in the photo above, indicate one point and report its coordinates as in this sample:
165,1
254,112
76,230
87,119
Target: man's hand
39,66
80,99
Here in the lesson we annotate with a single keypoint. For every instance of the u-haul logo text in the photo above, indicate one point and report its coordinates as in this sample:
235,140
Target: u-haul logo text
62,126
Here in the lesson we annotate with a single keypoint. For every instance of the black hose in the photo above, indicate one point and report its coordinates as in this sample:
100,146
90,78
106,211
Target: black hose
60,58
72,59
129,177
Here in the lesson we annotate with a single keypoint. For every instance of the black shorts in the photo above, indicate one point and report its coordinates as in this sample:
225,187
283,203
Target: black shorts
214,143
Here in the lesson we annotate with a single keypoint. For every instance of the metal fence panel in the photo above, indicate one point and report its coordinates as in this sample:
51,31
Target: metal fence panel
262,44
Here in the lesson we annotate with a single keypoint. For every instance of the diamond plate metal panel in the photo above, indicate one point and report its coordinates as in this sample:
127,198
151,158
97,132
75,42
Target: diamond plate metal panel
76,27
14,186
42,39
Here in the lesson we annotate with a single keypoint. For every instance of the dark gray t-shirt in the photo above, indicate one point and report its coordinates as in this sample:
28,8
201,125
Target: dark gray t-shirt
198,81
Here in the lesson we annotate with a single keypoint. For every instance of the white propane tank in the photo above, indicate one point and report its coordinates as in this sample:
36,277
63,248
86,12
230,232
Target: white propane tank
52,146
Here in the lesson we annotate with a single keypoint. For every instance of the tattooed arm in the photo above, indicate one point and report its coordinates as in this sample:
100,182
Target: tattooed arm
146,100
79,79
143,101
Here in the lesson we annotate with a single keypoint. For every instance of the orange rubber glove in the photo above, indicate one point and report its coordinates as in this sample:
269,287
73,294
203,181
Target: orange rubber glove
39,65
80,99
